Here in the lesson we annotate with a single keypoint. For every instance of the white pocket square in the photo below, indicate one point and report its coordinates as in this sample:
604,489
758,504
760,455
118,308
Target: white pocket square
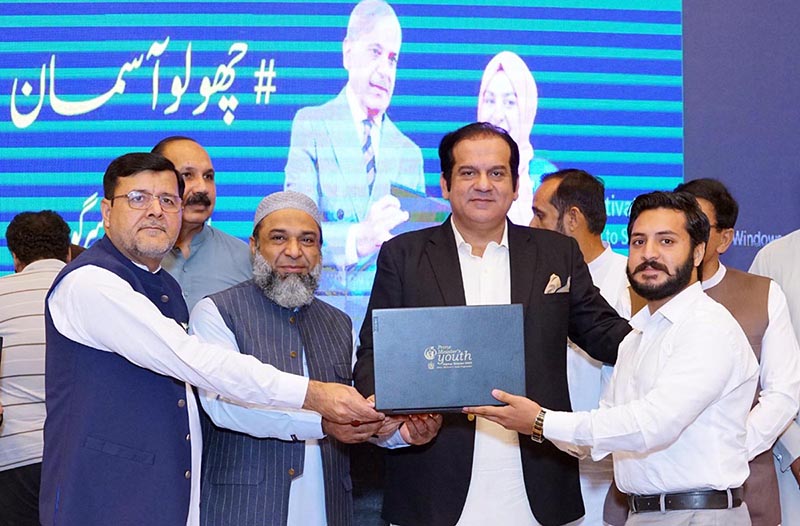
553,284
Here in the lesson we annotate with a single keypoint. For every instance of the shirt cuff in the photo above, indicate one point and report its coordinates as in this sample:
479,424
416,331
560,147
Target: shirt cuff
787,448
560,428
291,391
393,441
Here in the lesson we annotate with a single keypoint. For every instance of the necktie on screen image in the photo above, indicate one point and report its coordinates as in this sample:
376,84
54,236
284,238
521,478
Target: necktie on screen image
369,153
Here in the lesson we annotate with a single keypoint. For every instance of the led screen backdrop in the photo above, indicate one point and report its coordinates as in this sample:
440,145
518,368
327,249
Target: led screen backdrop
84,82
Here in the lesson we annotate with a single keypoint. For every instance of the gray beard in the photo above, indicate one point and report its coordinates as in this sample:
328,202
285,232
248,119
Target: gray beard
291,291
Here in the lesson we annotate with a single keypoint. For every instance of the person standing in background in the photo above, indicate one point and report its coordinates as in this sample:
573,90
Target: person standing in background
572,202
779,261
760,307
39,245
204,259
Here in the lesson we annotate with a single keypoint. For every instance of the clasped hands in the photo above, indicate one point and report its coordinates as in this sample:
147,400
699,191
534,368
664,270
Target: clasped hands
351,418
414,429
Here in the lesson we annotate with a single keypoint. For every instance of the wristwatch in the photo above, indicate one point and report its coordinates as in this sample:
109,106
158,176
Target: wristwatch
537,432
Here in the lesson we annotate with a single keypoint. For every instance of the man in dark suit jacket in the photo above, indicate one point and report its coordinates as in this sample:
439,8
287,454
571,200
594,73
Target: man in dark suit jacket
429,484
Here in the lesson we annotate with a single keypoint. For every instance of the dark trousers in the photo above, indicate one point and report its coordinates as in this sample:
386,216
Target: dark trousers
19,496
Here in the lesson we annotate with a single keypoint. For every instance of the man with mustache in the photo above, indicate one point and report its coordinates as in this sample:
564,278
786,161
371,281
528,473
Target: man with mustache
347,154
293,463
572,202
675,412
204,259
122,439
760,307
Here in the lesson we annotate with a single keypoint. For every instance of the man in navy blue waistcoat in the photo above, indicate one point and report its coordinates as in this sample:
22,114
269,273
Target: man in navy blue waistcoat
122,438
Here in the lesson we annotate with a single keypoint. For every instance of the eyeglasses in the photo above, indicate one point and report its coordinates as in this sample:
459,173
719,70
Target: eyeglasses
139,200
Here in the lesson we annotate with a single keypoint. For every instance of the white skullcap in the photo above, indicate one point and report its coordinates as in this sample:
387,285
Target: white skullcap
286,199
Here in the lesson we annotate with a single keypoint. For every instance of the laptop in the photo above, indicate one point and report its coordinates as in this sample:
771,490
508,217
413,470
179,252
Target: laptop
441,359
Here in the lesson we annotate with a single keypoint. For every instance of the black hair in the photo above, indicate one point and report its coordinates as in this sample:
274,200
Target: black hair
32,236
725,206
472,131
134,163
580,189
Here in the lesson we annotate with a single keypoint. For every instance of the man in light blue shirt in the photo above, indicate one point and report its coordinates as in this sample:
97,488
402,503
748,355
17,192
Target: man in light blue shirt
204,259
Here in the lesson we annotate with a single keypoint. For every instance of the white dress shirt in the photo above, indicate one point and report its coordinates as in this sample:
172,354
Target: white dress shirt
95,307
779,372
675,412
496,492
307,493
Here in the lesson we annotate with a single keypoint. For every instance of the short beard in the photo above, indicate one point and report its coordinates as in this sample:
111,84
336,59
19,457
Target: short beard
674,284
290,291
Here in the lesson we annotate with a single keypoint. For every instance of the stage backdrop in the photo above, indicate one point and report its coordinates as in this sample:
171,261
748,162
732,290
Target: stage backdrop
84,82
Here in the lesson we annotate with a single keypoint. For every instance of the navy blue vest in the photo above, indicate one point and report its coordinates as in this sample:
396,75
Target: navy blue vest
246,480
116,447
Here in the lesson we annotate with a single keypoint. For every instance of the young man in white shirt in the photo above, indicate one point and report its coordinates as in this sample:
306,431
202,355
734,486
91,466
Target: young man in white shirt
674,414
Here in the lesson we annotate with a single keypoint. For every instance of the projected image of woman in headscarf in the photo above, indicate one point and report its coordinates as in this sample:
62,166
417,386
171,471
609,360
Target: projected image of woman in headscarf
508,98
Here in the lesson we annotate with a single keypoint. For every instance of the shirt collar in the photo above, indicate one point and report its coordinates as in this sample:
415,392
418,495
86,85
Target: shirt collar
43,264
600,260
201,236
460,241
675,310
714,280
358,113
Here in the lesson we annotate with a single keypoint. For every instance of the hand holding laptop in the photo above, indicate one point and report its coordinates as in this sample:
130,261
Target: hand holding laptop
518,415
421,428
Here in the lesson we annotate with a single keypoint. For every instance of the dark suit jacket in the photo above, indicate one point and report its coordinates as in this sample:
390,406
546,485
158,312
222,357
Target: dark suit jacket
427,485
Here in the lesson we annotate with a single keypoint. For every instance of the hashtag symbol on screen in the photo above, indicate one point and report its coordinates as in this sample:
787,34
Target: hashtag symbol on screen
265,77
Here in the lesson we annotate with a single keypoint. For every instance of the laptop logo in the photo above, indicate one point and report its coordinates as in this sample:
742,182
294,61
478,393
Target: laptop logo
446,357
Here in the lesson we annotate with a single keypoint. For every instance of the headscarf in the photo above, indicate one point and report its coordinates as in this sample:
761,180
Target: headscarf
527,98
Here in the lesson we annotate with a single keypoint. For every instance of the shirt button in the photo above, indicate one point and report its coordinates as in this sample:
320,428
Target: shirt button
187,475
293,354
291,320
188,437
181,402
164,298
291,472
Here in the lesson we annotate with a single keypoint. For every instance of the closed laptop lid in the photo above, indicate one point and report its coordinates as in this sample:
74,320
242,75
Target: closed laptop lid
435,359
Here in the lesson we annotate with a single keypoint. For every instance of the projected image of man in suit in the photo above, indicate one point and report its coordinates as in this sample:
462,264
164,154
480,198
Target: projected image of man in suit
347,153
